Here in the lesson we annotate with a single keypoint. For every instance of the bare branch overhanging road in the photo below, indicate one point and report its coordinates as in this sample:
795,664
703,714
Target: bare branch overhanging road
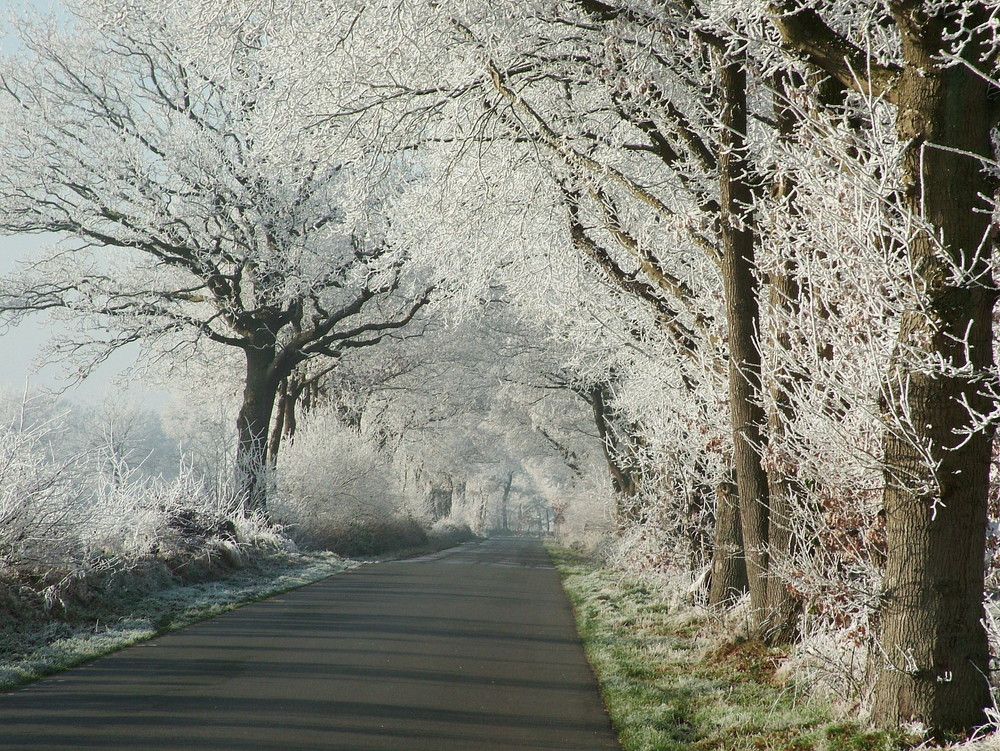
472,649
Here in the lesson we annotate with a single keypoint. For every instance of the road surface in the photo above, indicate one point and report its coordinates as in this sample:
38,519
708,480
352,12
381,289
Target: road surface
471,649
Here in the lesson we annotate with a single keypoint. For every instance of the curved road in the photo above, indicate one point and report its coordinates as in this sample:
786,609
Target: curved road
471,649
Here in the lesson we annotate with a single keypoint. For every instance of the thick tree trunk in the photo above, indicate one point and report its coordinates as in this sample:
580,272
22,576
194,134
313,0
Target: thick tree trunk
259,391
729,570
743,317
781,626
933,658
784,298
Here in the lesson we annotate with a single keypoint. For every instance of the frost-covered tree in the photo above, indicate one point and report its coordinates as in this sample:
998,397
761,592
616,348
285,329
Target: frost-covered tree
641,156
651,134
937,65
192,201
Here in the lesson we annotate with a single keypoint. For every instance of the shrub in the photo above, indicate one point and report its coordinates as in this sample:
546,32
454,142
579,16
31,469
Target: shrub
370,536
337,490
446,532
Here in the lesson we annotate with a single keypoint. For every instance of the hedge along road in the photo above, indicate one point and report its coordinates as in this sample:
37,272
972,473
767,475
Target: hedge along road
471,649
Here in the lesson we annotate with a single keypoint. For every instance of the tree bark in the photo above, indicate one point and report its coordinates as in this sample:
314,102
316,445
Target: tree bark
934,661
626,480
783,489
743,316
782,609
504,501
729,570
932,657
259,391
278,429
290,392
622,480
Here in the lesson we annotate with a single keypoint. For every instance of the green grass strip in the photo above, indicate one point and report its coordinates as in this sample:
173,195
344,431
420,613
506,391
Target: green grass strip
668,690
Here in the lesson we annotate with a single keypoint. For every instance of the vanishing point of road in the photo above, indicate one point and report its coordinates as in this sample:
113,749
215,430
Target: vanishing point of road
471,649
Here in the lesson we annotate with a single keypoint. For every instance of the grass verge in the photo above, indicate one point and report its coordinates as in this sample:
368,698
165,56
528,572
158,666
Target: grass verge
58,644
667,688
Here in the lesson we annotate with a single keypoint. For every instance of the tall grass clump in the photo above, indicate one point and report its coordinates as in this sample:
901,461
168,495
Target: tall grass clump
84,527
100,549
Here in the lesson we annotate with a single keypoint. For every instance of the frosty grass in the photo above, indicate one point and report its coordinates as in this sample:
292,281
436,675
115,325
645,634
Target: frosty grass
171,609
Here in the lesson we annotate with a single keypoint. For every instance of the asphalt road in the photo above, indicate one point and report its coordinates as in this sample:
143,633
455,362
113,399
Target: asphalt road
472,649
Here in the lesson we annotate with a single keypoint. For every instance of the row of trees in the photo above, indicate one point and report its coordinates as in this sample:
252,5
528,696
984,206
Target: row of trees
758,238
680,148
